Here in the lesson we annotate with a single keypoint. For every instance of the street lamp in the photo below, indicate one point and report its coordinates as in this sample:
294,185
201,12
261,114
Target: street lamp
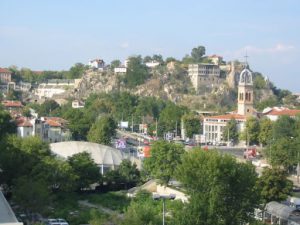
163,197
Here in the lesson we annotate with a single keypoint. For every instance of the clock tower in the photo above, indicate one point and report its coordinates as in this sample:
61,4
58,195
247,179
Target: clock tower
245,93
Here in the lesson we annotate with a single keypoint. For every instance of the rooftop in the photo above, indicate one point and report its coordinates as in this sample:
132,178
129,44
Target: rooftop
3,70
228,117
7,216
280,111
12,104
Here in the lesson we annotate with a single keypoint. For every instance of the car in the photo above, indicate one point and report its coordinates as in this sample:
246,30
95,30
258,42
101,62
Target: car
221,144
57,222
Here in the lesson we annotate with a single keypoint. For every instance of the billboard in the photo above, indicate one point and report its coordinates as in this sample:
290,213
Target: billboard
124,124
121,144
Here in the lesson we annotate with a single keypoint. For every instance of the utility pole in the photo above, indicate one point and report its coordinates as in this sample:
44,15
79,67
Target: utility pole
132,123
228,130
176,128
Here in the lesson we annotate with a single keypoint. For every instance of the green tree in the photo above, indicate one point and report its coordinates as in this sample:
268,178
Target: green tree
115,63
273,185
142,210
27,75
230,130
136,72
221,190
7,126
102,130
197,53
13,95
26,111
158,58
270,102
129,173
170,59
169,117
80,122
57,173
192,124
47,108
259,81
76,71
33,195
265,133
147,59
85,169
282,152
165,157
251,131
284,127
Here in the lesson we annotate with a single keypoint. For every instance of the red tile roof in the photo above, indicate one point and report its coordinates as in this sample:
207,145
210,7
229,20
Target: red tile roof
12,104
23,122
228,117
281,112
53,123
3,70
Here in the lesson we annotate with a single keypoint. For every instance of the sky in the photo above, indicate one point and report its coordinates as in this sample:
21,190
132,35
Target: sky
56,34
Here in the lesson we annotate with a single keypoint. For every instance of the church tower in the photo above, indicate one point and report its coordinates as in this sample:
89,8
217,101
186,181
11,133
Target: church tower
245,93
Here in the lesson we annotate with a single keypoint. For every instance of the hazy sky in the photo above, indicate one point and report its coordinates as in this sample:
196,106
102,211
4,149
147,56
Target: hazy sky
55,34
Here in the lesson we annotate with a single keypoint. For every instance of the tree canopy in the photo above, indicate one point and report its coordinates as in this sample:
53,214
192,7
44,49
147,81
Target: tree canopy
273,185
136,72
221,190
165,157
103,130
85,169
230,131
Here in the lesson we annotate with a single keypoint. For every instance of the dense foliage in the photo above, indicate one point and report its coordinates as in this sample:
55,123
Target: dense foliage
221,190
164,158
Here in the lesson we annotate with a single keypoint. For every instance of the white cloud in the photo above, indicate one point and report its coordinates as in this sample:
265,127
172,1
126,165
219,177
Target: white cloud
124,45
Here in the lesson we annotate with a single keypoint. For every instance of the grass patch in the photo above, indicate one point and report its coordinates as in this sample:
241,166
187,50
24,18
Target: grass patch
117,201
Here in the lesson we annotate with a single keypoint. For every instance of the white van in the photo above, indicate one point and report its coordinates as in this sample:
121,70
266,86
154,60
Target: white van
295,202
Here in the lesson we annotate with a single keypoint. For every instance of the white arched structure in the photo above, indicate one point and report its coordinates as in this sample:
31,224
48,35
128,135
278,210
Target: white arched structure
106,157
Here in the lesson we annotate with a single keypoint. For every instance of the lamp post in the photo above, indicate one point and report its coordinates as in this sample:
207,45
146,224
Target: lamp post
163,197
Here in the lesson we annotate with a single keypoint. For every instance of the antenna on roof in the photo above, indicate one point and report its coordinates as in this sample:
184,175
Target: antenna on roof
246,59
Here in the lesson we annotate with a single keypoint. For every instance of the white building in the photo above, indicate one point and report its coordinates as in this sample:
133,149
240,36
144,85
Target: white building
213,126
120,70
76,104
216,59
49,129
97,64
55,87
274,113
152,64
204,74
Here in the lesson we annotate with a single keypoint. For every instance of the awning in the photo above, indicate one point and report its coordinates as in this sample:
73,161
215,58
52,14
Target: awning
279,210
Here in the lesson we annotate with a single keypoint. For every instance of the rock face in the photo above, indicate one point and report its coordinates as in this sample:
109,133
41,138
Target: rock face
168,84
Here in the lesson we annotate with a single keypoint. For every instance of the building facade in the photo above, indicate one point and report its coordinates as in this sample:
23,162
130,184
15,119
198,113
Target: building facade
97,64
5,76
274,113
213,126
204,74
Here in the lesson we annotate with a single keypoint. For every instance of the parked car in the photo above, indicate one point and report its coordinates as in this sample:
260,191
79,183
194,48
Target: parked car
57,222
